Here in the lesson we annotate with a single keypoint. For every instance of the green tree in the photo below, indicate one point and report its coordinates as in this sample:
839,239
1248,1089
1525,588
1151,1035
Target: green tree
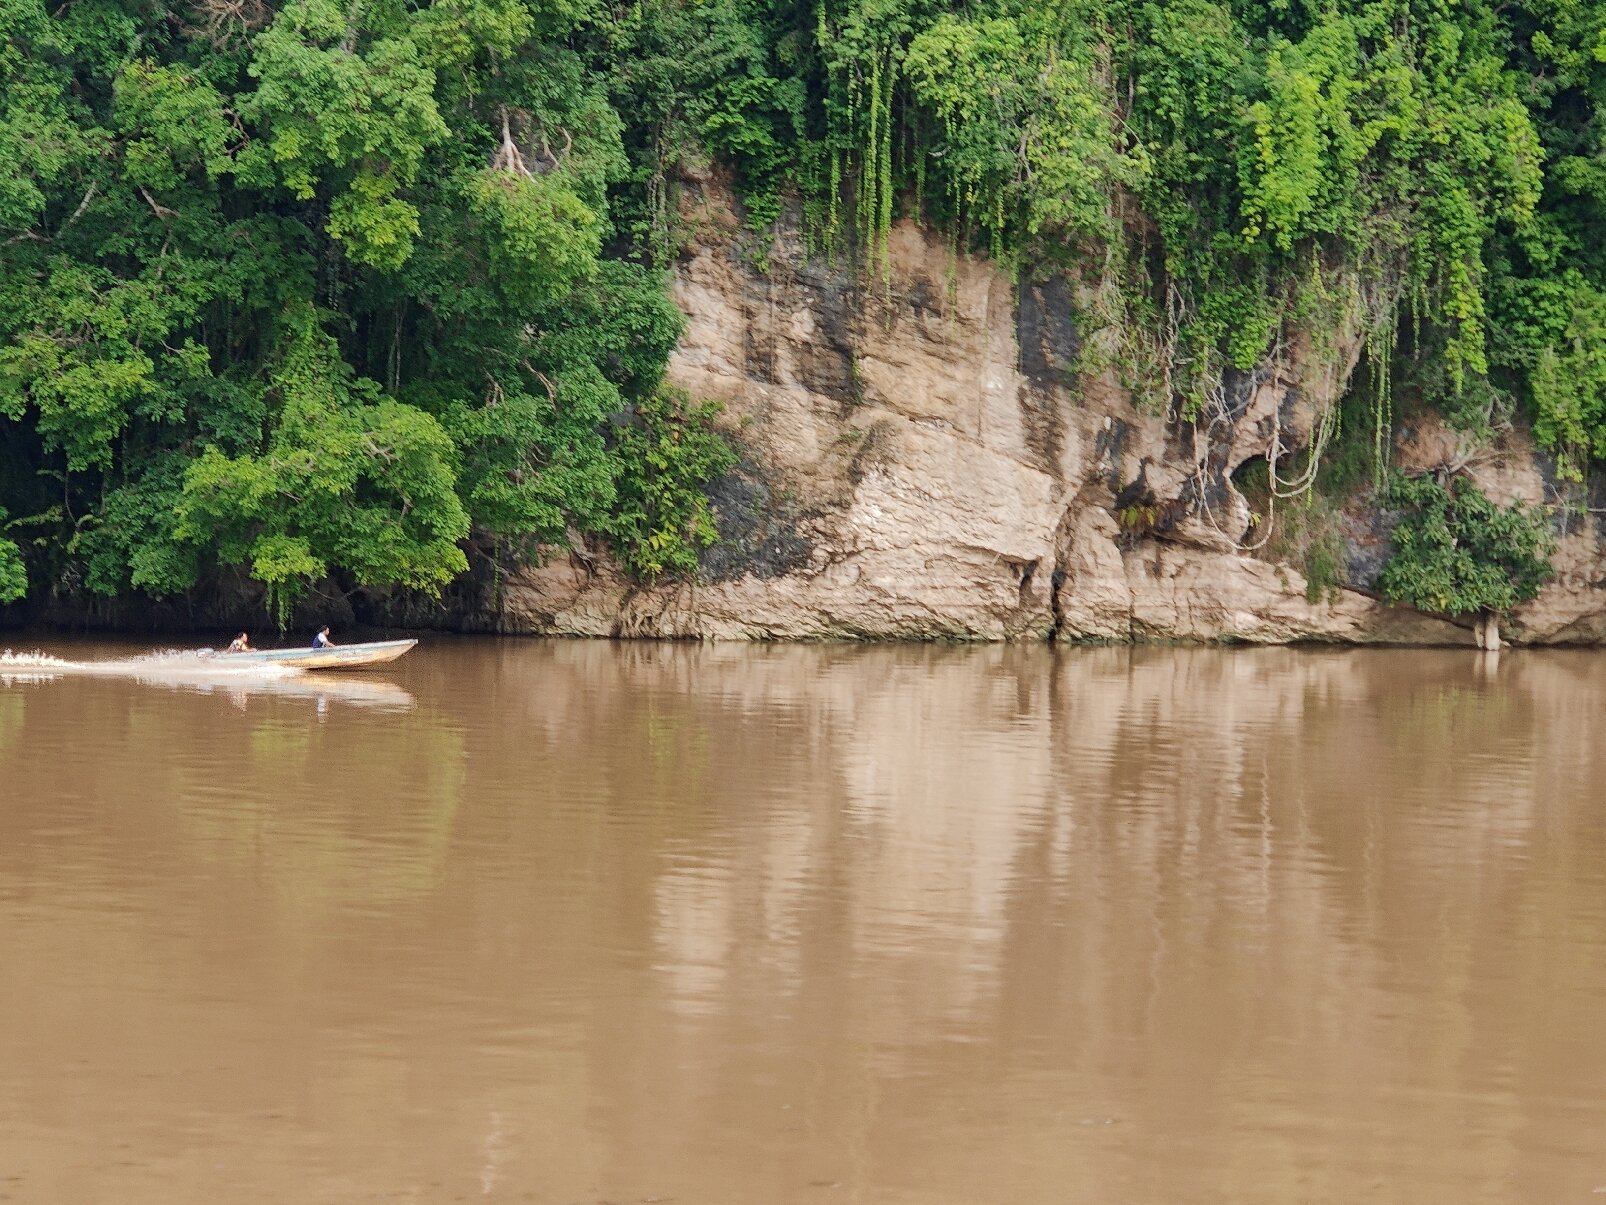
1456,552
665,455
331,292
349,477
13,573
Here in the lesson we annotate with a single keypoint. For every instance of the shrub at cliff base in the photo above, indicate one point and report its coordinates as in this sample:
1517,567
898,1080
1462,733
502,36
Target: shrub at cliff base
1457,553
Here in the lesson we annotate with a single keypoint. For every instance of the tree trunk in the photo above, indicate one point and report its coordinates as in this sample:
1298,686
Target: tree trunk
1486,631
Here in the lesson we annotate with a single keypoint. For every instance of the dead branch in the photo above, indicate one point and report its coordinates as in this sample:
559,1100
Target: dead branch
89,195
227,24
245,137
578,552
162,212
568,145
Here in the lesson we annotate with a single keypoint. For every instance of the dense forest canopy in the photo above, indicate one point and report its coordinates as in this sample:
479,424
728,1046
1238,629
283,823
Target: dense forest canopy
352,291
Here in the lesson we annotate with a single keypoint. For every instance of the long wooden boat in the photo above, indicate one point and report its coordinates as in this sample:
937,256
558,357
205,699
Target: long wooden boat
336,656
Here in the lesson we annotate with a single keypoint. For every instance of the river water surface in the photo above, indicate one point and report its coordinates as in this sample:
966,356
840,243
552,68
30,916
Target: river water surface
580,922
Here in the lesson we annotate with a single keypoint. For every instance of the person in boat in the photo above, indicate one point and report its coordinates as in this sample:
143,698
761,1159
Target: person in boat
321,640
240,644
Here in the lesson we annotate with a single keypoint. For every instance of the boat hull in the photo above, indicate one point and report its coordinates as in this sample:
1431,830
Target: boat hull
339,656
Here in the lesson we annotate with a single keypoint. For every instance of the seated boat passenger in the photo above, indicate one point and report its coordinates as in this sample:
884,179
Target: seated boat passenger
240,644
321,640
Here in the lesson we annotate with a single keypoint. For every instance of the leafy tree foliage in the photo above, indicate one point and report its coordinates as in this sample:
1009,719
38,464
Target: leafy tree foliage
13,573
329,291
348,477
1457,552
664,516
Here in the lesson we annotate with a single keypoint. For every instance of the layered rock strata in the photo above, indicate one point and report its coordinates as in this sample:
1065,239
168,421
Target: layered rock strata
922,460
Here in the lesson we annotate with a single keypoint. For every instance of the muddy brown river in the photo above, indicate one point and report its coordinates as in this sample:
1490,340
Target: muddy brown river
570,922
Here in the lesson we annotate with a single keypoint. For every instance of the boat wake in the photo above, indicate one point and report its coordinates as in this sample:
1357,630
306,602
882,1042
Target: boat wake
30,667
198,670
167,663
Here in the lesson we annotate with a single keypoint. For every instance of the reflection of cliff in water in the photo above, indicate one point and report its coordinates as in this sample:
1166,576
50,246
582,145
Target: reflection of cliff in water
938,789
1154,871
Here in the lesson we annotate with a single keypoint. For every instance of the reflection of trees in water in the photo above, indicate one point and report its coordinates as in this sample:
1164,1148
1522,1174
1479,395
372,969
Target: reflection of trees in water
343,808
11,718
324,797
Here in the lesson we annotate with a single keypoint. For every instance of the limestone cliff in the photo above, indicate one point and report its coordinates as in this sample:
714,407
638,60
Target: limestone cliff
921,460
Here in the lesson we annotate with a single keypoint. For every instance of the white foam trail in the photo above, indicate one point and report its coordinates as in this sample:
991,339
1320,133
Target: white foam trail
197,669
30,667
166,664
33,660
188,663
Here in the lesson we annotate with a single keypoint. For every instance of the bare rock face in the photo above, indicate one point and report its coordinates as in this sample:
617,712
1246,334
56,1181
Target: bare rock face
921,460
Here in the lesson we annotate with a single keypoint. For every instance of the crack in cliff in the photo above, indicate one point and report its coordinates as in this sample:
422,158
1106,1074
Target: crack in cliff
1060,575
1056,608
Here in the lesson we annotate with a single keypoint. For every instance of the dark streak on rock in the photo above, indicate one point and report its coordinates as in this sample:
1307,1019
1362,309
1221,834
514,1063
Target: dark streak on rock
758,531
1045,330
